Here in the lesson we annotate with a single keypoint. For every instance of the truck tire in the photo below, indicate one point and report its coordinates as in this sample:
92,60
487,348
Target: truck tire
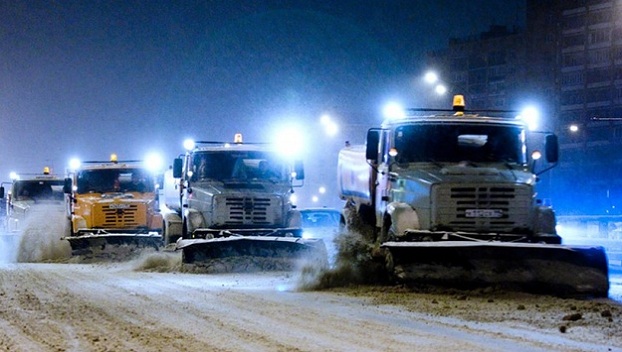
367,214
386,233
389,267
69,230
166,234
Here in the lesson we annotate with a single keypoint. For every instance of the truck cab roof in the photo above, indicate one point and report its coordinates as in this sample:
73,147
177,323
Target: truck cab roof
451,119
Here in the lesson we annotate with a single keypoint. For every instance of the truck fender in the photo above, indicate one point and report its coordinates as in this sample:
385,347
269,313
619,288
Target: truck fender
78,222
544,220
399,217
172,227
194,219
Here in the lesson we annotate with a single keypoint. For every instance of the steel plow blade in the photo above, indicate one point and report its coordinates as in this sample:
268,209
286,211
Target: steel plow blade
112,244
253,253
541,268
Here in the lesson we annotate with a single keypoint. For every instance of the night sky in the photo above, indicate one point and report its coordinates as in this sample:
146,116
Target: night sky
88,78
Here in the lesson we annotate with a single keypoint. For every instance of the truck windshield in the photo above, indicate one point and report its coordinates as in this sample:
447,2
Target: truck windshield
115,180
460,142
38,190
238,165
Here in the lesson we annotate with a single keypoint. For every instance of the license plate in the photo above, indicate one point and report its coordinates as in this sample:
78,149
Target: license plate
483,213
119,206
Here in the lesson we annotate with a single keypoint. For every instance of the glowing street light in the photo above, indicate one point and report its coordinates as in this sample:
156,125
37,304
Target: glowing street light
430,77
440,89
573,128
330,127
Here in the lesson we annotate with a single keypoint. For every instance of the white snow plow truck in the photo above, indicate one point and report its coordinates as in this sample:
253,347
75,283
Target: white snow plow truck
30,198
111,205
228,201
451,196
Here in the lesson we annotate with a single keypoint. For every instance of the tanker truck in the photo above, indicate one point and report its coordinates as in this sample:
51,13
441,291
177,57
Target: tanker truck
450,196
228,200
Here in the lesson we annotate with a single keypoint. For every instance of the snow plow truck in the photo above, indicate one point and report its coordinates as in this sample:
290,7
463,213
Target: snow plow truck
29,197
229,203
30,193
451,197
111,205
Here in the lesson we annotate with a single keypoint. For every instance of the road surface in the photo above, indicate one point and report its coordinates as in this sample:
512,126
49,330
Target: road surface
152,304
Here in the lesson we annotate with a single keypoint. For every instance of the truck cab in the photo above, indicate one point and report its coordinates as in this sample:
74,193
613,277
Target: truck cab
29,193
429,177
112,197
237,187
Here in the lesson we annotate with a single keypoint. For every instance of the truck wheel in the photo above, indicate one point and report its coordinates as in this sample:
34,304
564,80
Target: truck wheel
69,230
165,235
367,214
387,233
389,266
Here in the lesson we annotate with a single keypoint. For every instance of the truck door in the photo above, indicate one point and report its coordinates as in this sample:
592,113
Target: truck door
382,177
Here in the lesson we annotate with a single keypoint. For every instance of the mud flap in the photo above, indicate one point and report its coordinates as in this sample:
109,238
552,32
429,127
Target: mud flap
107,245
252,253
543,268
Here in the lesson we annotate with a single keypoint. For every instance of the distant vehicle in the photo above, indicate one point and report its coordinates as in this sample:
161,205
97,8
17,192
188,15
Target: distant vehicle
320,217
322,223
30,193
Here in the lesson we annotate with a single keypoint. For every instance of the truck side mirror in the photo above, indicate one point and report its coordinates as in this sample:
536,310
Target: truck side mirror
551,148
299,169
371,147
67,185
178,164
1,191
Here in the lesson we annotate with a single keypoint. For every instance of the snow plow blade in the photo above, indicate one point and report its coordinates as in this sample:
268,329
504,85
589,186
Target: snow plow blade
112,244
540,268
252,253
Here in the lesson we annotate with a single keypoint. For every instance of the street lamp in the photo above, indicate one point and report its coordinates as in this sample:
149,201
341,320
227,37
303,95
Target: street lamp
330,127
440,89
430,77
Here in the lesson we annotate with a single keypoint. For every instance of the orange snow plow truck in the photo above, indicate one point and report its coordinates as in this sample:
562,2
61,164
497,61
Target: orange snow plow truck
451,196
112,204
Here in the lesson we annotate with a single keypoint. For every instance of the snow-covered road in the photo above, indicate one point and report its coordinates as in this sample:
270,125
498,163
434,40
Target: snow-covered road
149,305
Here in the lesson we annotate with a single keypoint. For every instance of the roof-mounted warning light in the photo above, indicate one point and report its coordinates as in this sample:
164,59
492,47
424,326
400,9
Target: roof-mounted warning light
46,170
113,158
237,139
458,104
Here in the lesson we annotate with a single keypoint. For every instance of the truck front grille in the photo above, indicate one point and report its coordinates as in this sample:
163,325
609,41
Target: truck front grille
256,211
490,208
118,218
